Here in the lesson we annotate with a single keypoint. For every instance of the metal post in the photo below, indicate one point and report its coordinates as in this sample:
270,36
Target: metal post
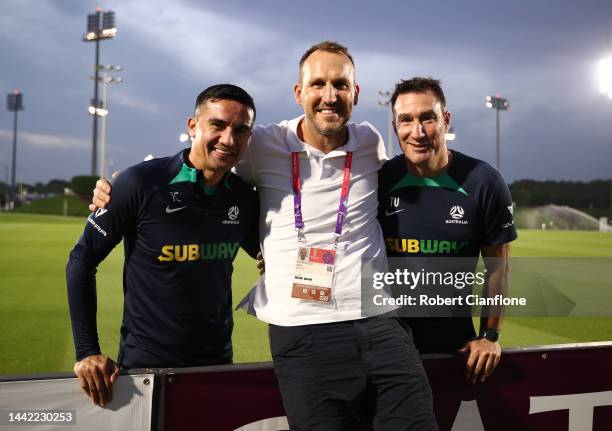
106,79
13,189
105,84
499,104
497,164
95,117
95,32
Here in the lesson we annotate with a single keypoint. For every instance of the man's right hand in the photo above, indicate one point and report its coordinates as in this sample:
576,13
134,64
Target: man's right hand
101,195
96,374
261,263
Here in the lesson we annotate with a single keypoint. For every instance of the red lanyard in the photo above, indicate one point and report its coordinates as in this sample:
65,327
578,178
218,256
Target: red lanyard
297,194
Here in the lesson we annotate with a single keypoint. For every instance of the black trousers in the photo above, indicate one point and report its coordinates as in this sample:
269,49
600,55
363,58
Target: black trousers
440,334
338,376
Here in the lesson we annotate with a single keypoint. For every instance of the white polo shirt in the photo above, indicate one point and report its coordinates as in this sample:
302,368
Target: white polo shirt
267,163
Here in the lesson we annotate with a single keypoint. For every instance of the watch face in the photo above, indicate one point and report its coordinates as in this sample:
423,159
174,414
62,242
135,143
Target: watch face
492,335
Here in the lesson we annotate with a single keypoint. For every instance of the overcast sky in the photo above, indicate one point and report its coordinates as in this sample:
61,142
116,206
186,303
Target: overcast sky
541,55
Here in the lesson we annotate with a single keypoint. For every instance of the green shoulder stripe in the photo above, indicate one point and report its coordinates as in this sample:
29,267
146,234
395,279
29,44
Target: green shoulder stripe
444,180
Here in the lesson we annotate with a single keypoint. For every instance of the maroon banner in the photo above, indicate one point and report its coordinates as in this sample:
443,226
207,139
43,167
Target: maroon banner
525,392
552,388
225,399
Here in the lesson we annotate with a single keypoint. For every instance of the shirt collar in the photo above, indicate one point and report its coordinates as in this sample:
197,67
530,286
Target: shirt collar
186,173
294,143
177,161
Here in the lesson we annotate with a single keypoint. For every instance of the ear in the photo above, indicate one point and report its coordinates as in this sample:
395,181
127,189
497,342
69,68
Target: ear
191,126
297,93
356,97
447,120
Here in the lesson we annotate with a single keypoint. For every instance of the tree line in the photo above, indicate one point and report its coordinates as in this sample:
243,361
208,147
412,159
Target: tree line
576,194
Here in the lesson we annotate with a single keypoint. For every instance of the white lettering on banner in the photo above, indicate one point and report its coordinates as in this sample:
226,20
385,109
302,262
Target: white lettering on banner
580,407
278,423
468,417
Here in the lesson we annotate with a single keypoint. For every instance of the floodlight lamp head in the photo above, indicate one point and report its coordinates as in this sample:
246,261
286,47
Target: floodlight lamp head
604,76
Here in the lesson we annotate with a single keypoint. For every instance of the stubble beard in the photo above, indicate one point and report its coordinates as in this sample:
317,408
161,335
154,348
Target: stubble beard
326,129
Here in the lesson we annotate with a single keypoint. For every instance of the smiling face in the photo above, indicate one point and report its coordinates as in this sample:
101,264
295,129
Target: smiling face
420,123
327,92
220,131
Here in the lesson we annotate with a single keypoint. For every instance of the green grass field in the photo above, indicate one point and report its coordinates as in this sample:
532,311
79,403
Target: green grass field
36,335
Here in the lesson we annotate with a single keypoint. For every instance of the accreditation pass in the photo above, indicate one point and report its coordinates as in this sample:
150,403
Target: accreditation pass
314,274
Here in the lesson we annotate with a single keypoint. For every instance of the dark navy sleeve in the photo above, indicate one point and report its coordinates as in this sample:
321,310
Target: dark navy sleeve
104,229
498,212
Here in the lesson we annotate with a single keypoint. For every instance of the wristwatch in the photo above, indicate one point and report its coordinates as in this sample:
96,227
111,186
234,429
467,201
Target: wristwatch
490,334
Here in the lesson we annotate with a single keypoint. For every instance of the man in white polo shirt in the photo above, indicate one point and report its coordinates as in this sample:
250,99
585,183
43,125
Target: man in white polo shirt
317,178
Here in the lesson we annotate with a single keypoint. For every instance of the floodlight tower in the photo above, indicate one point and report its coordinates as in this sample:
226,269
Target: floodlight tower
604,73
14,103
499,104
386,95
102,110
100,26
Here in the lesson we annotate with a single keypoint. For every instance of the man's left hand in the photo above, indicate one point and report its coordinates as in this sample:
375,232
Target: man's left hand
484,355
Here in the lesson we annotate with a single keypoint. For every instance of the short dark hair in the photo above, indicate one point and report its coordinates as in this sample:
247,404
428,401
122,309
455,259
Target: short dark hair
418,84
327,46
226,92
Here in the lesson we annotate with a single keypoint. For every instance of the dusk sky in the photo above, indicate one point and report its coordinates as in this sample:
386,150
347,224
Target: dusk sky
541,55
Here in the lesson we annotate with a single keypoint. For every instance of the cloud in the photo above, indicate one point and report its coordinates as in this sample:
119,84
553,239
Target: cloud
134,102
209,46
468,75
43,140
49,31
379,71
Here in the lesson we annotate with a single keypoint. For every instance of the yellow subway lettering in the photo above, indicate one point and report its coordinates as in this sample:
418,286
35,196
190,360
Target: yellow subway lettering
167,255
194,252
413,246
180,253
